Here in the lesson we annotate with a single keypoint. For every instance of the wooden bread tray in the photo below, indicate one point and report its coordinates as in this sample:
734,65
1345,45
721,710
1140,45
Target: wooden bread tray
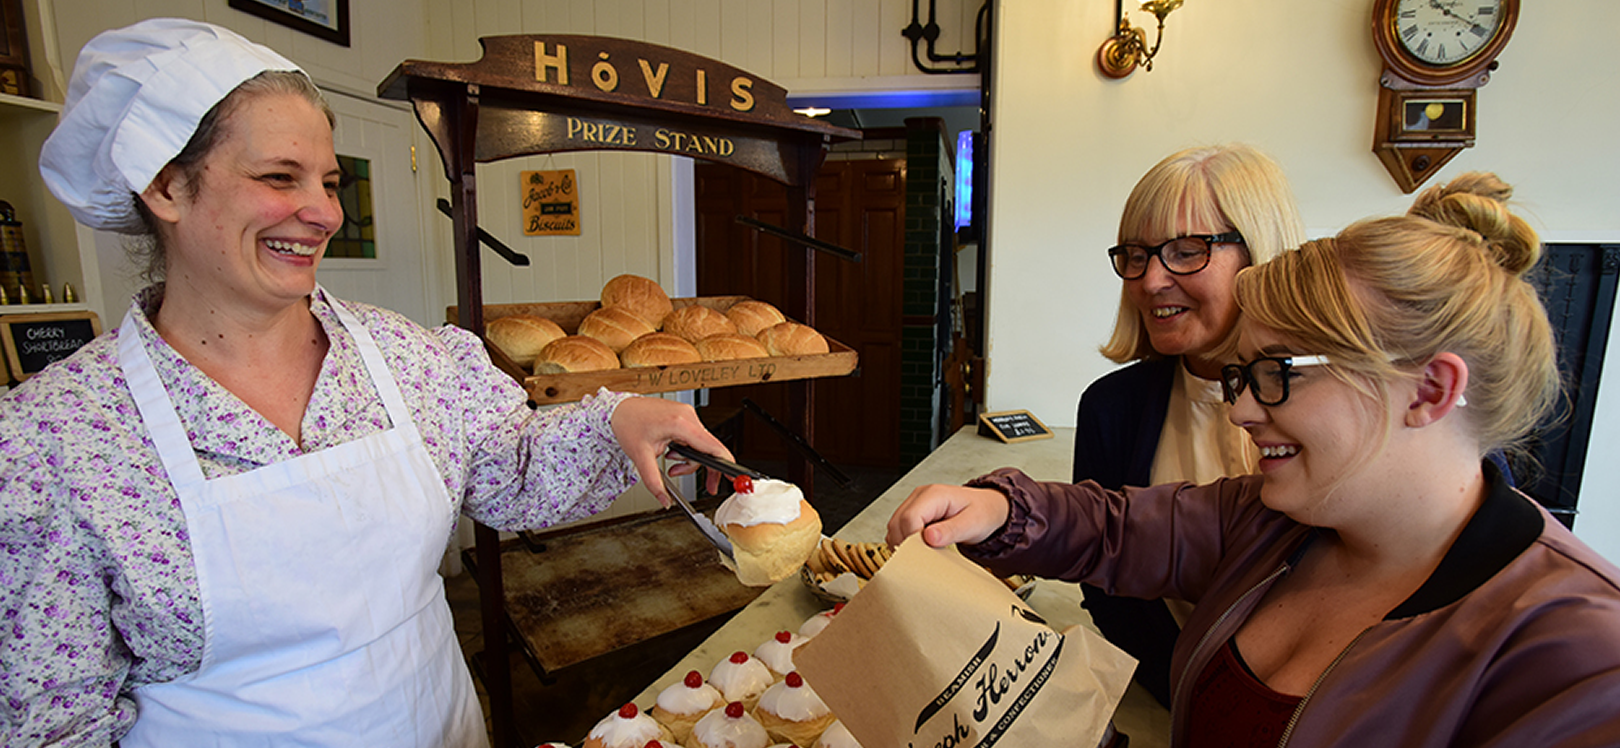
563,388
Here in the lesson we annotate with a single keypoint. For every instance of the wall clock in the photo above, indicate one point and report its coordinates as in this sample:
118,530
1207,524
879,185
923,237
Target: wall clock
1436,54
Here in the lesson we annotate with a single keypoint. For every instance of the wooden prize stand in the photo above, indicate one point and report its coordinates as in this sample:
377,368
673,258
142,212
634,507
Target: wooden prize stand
537,94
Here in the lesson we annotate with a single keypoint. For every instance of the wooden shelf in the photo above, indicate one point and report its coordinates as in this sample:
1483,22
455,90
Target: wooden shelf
564,388
9,101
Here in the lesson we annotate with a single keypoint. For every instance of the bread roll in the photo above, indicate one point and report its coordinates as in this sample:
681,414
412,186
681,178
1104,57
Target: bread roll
772,530
730,345
697,322
752,317
641,295
792,339
521,336
575,353
614,325
659,349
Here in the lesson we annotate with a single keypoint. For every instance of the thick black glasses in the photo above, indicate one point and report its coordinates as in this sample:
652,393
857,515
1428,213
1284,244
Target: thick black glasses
1267,377
1183,255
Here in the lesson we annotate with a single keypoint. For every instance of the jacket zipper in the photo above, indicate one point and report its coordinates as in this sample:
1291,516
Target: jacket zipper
1175,696
1294,720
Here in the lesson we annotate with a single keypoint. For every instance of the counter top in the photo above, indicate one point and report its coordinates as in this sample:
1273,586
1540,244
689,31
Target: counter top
965,456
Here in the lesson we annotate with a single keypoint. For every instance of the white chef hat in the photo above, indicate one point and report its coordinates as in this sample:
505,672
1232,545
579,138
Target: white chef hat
136,97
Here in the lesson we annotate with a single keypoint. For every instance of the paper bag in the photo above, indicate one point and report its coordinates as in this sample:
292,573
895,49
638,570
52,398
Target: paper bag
936,652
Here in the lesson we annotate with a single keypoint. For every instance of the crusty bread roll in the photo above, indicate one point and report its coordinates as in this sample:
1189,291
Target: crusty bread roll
659,349
575,353
614,325
641,295
697,322
752,317
792,339
730,345
772,530
521,336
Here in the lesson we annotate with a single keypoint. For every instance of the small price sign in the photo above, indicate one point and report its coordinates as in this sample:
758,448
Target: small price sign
1012,426
33,341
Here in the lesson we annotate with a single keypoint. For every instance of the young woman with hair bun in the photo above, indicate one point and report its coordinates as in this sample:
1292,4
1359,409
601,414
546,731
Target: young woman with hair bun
1378,583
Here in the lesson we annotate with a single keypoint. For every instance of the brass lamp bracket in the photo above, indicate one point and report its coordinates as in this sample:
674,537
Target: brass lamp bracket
1127,48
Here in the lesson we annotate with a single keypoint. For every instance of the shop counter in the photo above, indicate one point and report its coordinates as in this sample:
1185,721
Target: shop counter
964,456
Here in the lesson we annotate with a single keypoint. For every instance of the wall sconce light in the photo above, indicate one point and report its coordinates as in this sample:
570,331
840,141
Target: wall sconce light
1127,48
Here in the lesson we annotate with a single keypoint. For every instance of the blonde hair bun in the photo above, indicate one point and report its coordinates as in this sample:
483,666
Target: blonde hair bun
1478,202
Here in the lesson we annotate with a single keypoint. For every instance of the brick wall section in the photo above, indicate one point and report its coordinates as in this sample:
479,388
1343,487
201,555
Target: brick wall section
929,168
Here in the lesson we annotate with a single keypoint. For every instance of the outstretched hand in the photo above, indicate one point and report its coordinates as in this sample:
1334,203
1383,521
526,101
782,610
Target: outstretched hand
645,426
948,514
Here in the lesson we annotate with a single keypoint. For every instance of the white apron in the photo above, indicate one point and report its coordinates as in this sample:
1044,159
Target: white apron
324,617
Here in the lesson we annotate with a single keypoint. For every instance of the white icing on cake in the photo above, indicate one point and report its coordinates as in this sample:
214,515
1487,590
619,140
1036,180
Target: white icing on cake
778,656
741,681
717,730
681,699
615,731
796,704
814,624
837,736
771,501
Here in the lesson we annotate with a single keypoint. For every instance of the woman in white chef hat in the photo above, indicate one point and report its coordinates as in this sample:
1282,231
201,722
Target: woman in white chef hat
220,524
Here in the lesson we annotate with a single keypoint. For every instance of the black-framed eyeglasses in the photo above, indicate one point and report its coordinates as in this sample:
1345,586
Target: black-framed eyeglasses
1183,255
1267,377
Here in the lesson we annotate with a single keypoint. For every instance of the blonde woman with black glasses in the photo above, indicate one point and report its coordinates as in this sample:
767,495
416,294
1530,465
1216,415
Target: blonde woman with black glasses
1191,223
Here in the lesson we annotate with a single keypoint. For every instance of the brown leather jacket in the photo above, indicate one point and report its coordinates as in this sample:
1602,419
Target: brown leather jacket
1514,641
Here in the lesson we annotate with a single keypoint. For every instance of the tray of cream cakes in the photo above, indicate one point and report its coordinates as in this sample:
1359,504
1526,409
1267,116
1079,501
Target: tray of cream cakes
746,700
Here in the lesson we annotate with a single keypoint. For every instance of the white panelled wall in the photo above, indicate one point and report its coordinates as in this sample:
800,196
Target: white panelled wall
1300,84
1067,144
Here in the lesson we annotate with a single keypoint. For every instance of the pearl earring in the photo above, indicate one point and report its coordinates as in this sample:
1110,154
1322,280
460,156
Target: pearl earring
1462,400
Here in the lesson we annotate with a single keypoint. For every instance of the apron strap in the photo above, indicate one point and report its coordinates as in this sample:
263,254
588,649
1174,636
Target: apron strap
170,439
372,355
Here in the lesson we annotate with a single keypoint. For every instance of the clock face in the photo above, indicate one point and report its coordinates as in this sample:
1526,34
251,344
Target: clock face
1444,33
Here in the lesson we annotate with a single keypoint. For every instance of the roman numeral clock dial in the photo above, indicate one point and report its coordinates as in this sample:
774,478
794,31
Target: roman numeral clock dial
1436,54
1445,33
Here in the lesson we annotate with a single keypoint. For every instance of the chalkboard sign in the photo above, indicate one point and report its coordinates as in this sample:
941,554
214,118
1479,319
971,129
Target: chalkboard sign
33,341
1012,426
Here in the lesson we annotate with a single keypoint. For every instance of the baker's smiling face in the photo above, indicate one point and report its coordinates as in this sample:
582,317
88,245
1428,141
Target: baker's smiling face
256,223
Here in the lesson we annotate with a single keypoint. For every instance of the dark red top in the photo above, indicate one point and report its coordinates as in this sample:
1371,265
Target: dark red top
1231,708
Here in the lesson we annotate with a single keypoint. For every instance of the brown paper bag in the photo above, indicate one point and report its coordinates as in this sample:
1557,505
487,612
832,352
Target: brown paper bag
936,652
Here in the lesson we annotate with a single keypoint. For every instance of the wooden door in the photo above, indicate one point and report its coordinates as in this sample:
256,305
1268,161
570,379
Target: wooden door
860,205
396,278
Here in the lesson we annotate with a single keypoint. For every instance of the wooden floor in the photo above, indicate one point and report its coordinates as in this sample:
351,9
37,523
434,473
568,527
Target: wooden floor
565,705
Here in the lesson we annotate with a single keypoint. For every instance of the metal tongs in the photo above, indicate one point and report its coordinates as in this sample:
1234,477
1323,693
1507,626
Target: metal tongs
724,467
704,524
